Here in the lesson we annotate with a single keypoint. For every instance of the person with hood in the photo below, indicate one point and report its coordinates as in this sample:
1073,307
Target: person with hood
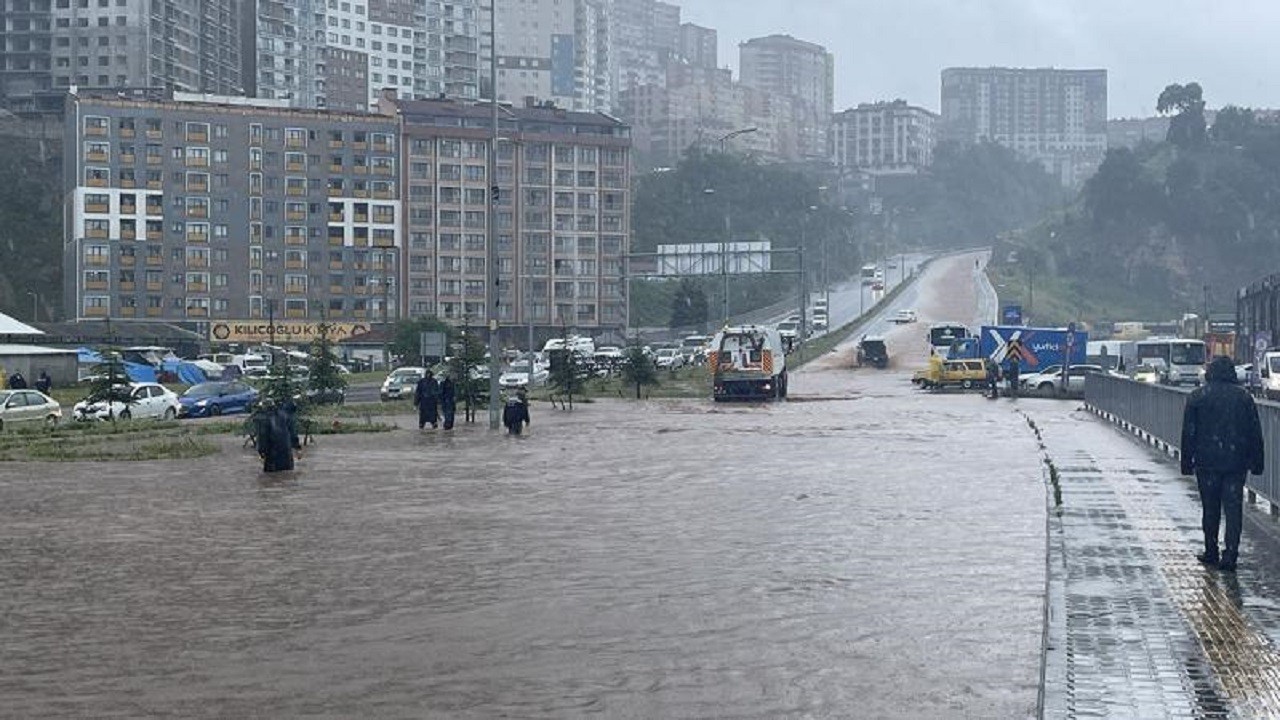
1221,441
44,383
515,414
426,396
1011,374
993,378
448,401
17,381
274,438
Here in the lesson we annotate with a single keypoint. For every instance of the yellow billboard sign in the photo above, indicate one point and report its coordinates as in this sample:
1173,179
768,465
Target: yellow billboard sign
283,333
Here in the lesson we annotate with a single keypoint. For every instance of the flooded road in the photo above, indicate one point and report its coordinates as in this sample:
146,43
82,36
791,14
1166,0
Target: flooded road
863,551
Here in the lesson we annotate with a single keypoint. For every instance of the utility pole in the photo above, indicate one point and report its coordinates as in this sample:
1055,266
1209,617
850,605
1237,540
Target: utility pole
491,261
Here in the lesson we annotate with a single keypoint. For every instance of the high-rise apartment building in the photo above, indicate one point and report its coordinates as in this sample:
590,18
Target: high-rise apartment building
48,46
1056,117
190,210
341,54
557,51
783,65
643,36
884,137
698,46
562,215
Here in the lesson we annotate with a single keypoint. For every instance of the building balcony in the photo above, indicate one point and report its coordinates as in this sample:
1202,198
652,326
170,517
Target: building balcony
296,167
295,143
295,191
197,262
335,241
197,162
360,290
295,312
195,237
384,195
128,311
96,182
95,156
359,145
99,234
155,286
96,284
384,242
155,235
336,217
128,158
360,193
128,286
100,208
155,209
197,137
154,160
127,132
154,185
360,241
336,290
336,169
128,261
295,239
362,217
155,312
197,287
197,212
358,313
383,170
128,234
198,187
295,264
335,264
128,183
128,209
154,134
197,312
360,169
154,261
295,215
335,192
336,144
95,311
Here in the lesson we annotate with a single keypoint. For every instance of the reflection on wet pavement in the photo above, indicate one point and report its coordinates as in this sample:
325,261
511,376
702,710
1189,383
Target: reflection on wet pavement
1140,629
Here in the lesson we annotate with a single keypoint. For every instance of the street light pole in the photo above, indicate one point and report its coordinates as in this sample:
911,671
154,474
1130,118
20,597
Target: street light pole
728,228
492,260
35,305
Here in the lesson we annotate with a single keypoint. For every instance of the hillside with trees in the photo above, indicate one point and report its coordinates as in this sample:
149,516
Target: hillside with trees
30,226
1169,227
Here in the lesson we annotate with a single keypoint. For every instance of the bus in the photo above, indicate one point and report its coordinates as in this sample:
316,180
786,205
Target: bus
941,335
1181,361
868,273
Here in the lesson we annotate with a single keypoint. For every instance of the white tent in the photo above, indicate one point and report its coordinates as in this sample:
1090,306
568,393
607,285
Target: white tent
9,326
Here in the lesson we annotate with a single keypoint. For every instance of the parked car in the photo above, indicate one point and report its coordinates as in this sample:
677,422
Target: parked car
149,400
400,383
1050,380
518,375
669,359
27,407
1148,373
904,316
217,398
950,373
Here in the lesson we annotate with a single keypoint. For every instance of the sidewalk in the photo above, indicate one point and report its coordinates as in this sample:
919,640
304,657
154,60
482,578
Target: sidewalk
1137,628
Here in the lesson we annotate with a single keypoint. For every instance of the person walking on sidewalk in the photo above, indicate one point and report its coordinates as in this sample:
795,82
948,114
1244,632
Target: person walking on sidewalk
1221,441
426,396
1011,374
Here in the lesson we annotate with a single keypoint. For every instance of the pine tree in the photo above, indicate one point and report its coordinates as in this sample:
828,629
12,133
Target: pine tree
638,369
111,384
326,381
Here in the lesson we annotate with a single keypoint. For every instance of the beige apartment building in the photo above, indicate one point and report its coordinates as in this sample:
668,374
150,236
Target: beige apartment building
562,215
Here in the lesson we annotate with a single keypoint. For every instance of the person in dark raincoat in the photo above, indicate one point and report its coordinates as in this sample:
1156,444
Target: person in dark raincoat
515,414
448,401
1221,441
426,396
993,378
17,382
274,439
1012,370
44,383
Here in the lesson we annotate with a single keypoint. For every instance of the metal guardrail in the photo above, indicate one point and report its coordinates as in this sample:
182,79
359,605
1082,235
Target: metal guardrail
1155,412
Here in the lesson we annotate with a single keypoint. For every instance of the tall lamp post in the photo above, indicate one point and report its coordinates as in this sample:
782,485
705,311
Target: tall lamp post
35,305
728,227
491,261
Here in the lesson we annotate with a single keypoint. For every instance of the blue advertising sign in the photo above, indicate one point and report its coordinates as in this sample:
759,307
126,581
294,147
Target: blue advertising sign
1012,315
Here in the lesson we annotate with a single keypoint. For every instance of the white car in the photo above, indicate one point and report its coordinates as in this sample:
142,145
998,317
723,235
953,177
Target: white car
905,316
517,375
149,400
1050,380
27,407
819,322
669,359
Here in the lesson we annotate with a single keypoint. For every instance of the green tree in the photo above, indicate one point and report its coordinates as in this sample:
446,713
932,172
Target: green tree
30,225
110,384
638,369
1187,127
689,306
568,374
325,380
466,366
1233,124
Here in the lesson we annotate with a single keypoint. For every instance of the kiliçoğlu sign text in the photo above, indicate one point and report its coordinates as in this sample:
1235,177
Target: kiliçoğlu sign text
284,332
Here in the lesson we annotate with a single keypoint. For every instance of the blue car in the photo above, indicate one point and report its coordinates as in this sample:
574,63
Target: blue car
211,399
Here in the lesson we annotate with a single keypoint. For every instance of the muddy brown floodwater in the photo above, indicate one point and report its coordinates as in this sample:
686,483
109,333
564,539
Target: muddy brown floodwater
872,552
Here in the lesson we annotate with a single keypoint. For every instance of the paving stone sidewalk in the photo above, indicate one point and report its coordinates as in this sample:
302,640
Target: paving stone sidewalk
1136,627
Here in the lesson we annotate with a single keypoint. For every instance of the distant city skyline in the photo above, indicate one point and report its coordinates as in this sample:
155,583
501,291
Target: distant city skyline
885,51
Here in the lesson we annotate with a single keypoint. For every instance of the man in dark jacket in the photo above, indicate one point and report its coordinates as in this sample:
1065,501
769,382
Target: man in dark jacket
448,401
274,437
426,396
515,414
1221,441
1011,373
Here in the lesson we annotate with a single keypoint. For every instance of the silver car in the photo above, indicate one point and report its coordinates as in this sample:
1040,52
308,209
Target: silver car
27,407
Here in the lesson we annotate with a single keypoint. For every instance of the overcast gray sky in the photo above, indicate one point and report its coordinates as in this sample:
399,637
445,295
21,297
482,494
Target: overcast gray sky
886,49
